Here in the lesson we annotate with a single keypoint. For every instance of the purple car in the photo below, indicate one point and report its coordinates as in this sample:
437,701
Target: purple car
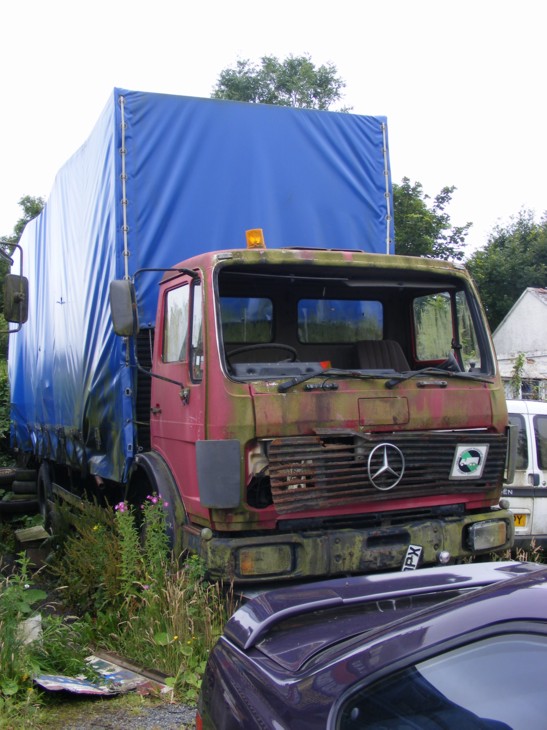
458,648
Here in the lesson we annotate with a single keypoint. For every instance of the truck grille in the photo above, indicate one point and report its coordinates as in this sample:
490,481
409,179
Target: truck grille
314,472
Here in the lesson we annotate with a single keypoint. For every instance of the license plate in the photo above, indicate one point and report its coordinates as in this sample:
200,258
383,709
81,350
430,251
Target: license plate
520,520
412,557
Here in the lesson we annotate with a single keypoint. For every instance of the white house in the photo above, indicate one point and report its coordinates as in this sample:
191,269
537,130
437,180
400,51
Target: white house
524,331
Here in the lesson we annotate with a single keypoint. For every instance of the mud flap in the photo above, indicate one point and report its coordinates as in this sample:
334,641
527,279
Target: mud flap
412,557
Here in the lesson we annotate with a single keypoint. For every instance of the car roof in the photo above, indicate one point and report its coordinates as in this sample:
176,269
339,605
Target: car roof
293,625
527,406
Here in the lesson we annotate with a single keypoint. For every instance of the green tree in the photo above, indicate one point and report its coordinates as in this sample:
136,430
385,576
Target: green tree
32,207
514,258
422,225
295,81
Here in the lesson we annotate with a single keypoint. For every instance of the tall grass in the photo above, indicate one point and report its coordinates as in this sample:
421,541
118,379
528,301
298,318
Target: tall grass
117,572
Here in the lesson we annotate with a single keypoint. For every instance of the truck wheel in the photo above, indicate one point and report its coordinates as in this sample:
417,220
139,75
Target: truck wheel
25,475
18,505
45,496
19,487
7,475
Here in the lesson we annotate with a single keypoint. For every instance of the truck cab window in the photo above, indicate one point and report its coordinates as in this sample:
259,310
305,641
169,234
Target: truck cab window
175,326
246,319
339,320
443,326
196,352
433,326
467,335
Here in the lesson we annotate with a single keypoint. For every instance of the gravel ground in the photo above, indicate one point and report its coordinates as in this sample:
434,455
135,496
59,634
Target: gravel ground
105,714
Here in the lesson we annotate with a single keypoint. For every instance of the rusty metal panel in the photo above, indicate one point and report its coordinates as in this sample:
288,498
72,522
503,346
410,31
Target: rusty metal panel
390,411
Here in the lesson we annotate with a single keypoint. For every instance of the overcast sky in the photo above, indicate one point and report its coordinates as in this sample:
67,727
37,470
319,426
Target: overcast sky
462,82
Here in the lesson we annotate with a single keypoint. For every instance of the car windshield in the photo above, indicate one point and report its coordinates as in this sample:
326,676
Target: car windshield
493,684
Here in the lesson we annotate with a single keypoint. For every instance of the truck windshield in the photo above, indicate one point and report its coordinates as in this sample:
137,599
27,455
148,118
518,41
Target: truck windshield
304,321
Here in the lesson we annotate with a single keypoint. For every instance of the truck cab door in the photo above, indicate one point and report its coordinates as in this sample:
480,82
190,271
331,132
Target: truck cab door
178,393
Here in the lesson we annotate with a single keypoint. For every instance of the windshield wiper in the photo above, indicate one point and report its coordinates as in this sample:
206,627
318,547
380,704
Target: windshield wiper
396,379
327,374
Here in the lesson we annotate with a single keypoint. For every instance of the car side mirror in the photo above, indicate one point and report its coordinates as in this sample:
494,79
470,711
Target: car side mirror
123,308
16,298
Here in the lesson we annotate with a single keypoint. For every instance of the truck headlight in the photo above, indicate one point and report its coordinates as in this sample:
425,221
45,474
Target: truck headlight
265,560
487,535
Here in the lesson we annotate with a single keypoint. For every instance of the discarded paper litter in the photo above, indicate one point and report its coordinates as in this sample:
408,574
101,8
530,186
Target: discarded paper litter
116,680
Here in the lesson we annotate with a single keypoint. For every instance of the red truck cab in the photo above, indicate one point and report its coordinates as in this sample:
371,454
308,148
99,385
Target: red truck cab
324,412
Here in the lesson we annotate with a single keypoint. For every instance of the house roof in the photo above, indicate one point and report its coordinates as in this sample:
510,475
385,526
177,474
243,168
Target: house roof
539,292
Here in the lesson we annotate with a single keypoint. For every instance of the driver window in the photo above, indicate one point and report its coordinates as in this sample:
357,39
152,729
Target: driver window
175,326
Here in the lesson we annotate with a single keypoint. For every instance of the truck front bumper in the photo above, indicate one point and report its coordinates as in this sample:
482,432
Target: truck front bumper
328,553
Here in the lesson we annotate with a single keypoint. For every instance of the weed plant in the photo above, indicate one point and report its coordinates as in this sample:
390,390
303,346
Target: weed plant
57,647
118,573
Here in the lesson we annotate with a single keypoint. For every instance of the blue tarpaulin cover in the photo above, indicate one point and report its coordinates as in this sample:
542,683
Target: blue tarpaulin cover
194,176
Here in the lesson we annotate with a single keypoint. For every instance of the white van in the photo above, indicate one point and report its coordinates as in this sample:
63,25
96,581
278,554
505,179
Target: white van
527,493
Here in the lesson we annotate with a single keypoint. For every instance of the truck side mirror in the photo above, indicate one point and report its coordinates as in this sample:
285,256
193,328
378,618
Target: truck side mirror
16,298
123,308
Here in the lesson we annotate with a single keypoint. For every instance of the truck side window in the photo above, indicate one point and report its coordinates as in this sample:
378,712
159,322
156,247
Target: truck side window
439,331
540,428
196,351
339,320
470,352
433,326
175,325
522,442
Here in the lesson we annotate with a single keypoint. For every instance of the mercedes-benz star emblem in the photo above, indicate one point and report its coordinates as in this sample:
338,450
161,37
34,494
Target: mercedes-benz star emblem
386,466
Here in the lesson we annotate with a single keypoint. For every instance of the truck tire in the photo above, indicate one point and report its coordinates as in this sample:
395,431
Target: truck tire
7,475
26,475
19,487
18,506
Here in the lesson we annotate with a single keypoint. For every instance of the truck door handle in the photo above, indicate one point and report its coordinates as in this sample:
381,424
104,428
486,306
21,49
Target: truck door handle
155,410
